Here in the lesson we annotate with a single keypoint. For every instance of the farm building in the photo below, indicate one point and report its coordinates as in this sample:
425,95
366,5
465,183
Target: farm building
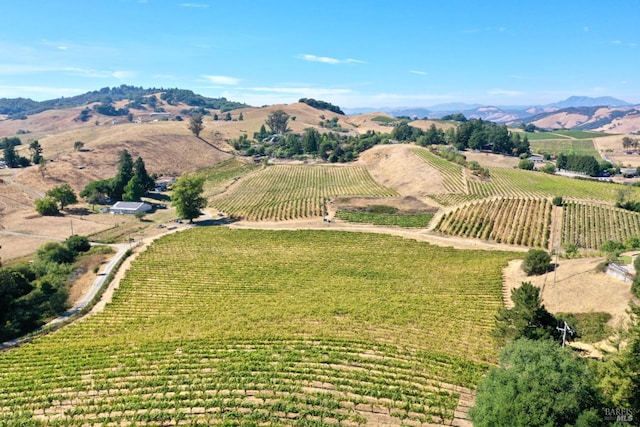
129,207
164,182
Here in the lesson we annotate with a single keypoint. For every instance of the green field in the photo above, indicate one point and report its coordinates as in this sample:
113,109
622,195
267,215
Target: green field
560,134
565,146
384,119
284,192
400,220
215,325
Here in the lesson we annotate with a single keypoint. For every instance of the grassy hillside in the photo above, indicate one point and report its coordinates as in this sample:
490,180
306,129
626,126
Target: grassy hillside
247,326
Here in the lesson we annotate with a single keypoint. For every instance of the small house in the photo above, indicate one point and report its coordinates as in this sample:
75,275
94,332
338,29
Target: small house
123,208
536,158
164,182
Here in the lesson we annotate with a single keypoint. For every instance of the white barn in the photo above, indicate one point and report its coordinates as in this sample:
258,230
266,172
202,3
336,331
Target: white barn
129,207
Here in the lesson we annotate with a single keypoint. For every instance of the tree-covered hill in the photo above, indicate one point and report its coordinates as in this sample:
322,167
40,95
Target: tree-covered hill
18,108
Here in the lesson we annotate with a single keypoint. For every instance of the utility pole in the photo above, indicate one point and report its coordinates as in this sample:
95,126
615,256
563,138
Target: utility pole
565,328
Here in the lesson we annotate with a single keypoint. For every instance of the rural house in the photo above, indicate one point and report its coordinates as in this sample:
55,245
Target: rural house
129,207
164,182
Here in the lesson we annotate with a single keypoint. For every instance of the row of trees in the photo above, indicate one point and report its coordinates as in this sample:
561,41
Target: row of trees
585,164
31,293
477,134
130,183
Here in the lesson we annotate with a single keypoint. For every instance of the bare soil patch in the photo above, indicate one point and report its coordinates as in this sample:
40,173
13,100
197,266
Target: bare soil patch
578,288
492,160
398,167
426,124
407,204
84,276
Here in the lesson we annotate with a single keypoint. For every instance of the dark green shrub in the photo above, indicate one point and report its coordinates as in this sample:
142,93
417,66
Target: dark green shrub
536,261
78,243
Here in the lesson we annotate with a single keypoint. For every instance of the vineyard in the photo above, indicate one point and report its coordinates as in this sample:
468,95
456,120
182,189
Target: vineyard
583,147
214,325
286,192
589,225
513,183
400,220
515,221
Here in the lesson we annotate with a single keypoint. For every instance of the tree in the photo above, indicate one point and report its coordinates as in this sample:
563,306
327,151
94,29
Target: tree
134,190
10,156
240,117
528,318
310,141
77,146
97,190
36,152
187,196
196,125
227,117
561,161
537,384
536,262
434,136
63,194
526,164
47,206
124,175
56,252
85,115
78,243
277,122
140,171
628,142
619,376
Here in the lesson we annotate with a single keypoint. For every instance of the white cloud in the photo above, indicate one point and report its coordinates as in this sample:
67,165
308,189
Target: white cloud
418,72
323,59
123,75
329,60
585,29
222,80
616,41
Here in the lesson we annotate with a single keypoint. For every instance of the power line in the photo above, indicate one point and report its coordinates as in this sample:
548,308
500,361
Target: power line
565,328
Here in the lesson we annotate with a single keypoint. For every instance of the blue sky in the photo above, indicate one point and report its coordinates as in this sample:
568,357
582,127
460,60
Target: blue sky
352,53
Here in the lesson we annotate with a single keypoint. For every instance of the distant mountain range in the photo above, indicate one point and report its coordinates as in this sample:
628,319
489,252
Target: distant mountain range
606,113
577,112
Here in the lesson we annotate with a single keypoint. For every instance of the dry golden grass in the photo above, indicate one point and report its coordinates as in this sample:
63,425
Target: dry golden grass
426,124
